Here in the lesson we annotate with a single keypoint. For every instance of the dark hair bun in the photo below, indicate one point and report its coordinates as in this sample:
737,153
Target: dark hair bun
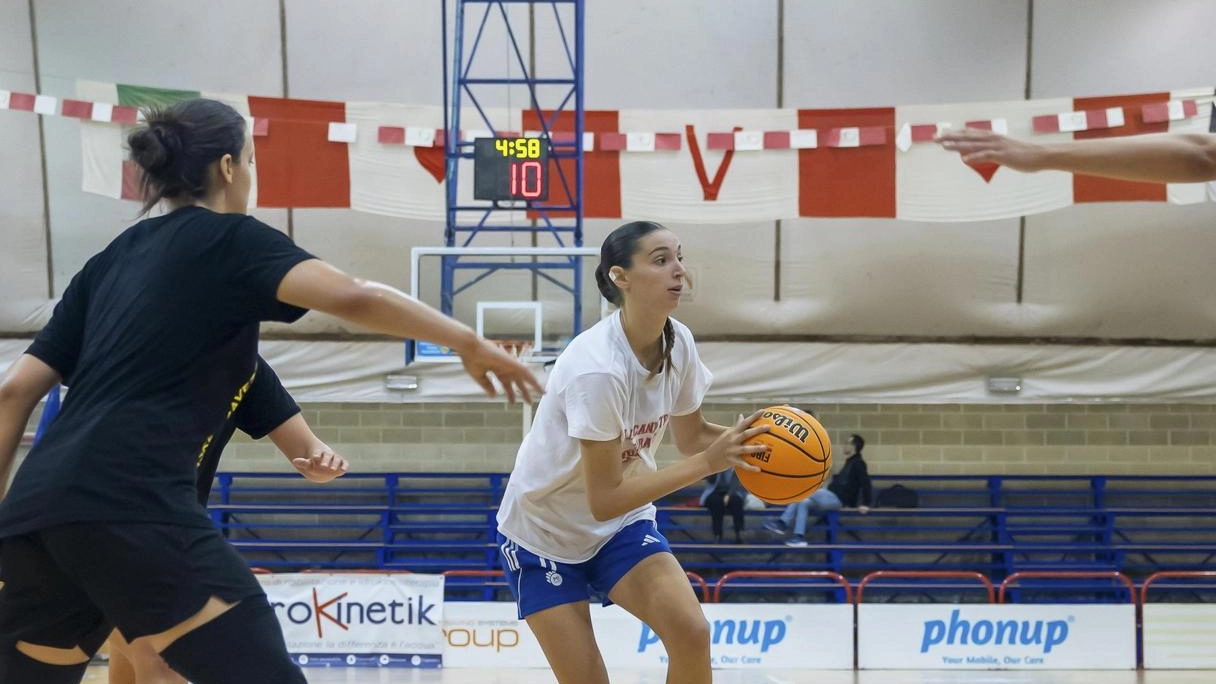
156,146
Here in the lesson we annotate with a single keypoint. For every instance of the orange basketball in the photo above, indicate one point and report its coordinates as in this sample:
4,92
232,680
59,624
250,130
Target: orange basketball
797,461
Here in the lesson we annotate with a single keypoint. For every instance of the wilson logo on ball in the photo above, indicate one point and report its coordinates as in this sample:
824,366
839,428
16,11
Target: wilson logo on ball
789,424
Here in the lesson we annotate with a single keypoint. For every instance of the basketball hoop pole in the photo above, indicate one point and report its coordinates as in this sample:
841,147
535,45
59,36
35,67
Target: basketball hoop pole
552,103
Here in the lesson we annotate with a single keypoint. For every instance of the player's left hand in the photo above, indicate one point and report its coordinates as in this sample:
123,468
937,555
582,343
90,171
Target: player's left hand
986,147
322,465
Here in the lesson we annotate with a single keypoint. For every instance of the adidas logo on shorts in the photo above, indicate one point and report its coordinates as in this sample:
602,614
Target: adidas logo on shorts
648,539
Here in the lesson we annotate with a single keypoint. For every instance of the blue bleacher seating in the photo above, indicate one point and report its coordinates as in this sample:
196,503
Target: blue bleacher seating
997,525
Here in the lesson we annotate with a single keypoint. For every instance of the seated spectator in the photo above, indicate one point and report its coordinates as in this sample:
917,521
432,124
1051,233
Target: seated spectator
725,492
850,487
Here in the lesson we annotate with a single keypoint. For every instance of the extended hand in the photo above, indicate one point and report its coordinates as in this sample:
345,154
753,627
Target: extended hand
514,376
977,147
322,465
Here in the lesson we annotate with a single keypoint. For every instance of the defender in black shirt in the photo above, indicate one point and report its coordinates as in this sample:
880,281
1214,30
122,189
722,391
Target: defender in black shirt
157,337
267,409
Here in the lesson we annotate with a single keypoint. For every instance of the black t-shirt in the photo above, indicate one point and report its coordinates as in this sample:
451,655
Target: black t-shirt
156,337
265,406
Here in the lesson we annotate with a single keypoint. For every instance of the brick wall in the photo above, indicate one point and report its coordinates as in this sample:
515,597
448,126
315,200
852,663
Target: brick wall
901,439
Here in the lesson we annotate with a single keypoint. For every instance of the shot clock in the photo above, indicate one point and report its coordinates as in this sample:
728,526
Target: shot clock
510,169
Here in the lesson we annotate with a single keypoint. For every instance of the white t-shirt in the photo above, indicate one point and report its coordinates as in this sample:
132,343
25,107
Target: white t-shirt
597,390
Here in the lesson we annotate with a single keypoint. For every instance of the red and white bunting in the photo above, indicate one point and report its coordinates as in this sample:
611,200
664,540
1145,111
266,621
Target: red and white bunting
1071,122
639,142
804,139
1174,110
417,136
865,136
566,138
126,115
390,135
910,134
412,136
46,105
645,141
102,112
258,127
776,140
21,101
749,141
340,132
612,142
995,125
77,109
667,142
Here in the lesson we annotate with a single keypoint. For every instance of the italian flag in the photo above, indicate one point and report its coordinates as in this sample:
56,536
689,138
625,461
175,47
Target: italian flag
107,169
296,163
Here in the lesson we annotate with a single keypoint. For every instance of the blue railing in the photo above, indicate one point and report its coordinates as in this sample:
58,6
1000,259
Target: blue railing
997,525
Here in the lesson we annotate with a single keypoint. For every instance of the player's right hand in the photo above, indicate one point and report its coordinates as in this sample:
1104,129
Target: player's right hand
728,449
515,378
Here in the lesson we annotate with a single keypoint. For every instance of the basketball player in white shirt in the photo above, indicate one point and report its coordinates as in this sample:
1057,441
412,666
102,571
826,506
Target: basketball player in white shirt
577,518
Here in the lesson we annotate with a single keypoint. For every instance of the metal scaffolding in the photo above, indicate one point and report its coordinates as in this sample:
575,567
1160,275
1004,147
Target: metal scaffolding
554,112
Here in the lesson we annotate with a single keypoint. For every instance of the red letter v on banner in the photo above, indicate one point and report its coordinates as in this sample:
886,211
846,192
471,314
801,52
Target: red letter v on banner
709,189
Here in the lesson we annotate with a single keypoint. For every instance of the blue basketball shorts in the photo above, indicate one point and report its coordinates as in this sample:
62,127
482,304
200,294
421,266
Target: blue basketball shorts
539,583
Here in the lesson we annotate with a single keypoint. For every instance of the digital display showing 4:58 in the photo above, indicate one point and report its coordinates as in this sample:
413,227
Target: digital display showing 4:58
510,169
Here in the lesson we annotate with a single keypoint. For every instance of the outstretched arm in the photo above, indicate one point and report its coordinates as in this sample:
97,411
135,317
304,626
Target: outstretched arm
1166,158
314,284
21,388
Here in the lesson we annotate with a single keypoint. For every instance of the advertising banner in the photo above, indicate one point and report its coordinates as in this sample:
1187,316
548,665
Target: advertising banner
741,636
359,620
996,637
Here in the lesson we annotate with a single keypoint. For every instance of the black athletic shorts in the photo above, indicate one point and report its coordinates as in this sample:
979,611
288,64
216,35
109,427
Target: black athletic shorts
67,585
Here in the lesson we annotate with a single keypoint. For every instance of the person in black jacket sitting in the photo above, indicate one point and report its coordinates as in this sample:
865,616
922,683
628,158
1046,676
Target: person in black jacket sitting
850,487
725,493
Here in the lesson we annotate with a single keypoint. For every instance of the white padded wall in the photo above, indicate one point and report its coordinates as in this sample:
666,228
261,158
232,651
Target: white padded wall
1122,46
23,269
874,53
876,277
1123,271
